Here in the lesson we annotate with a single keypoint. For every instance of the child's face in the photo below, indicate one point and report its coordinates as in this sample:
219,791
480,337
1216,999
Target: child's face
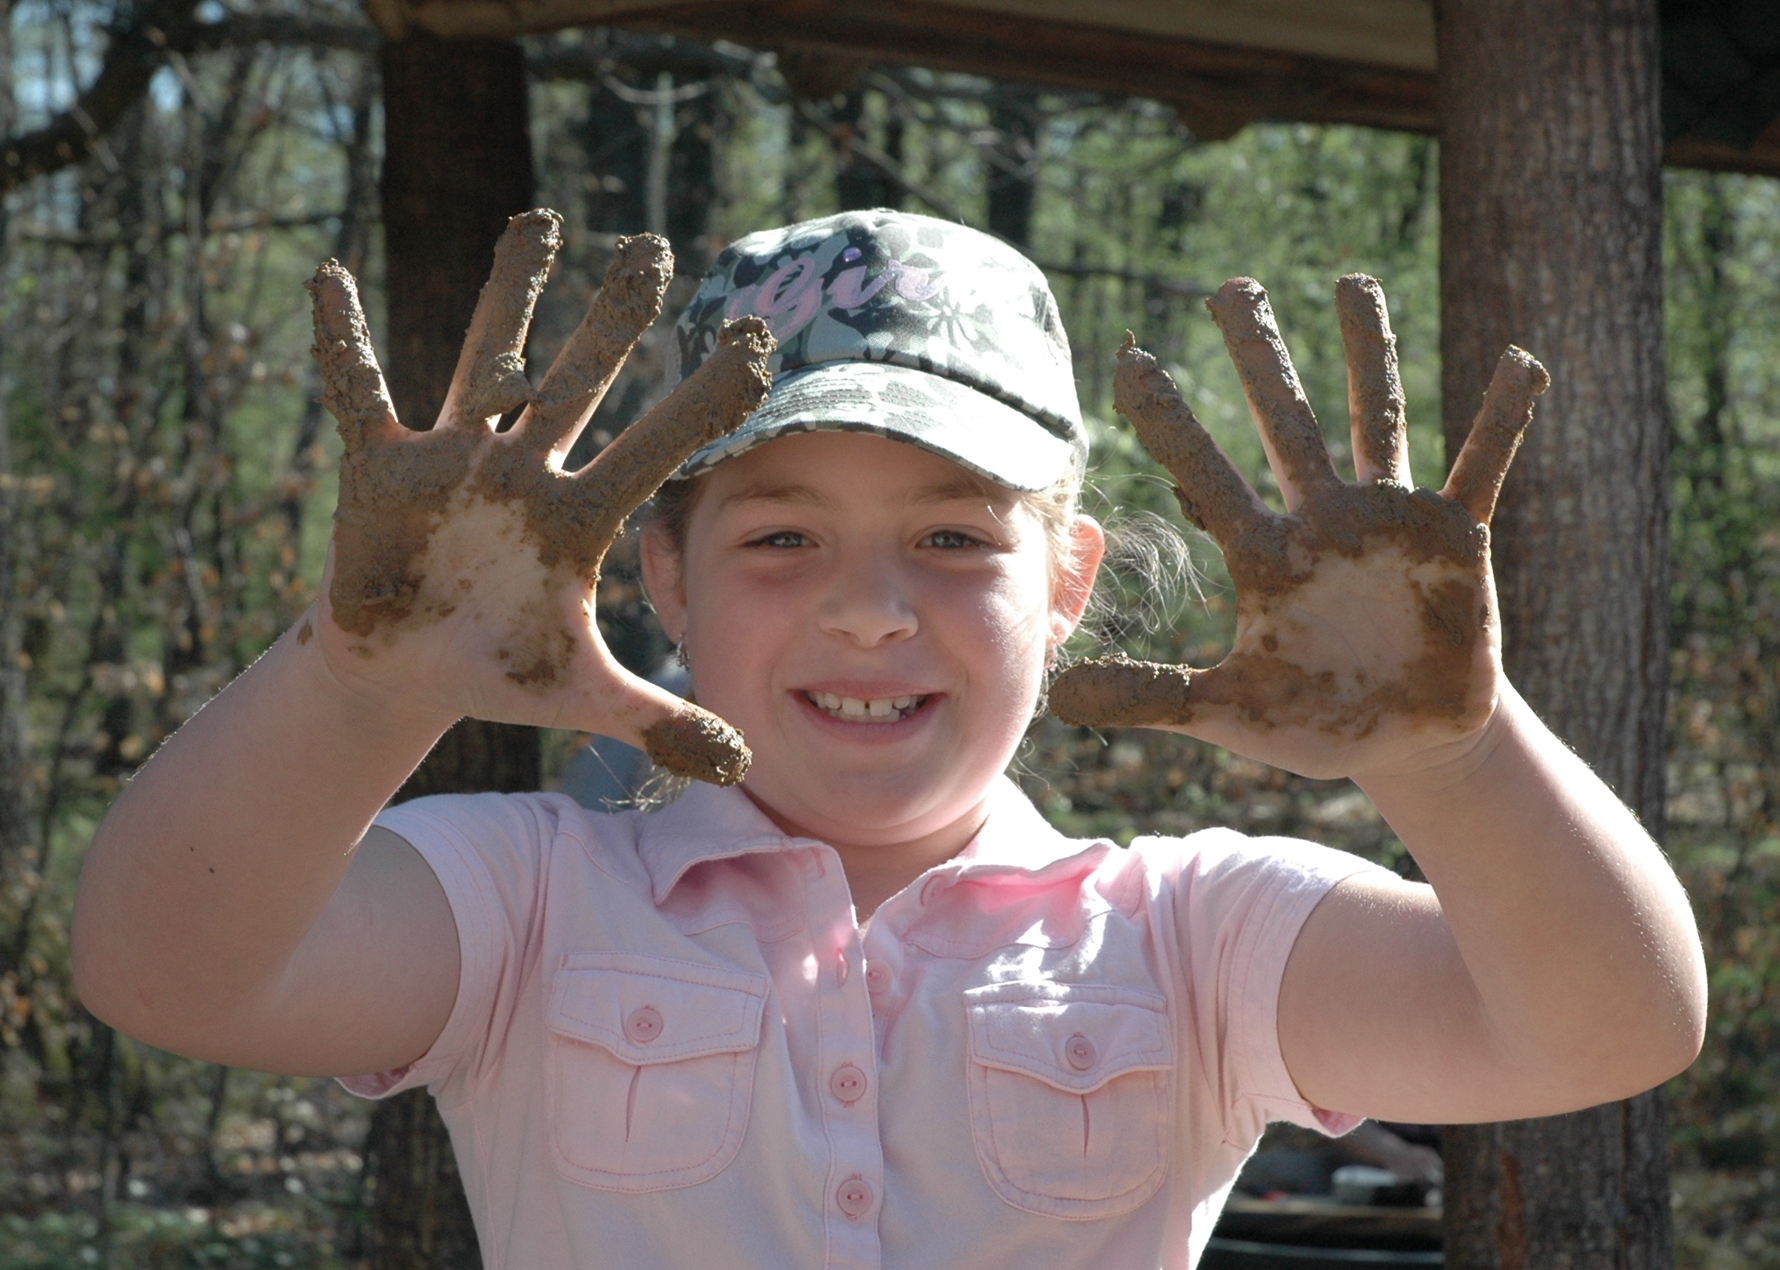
842,568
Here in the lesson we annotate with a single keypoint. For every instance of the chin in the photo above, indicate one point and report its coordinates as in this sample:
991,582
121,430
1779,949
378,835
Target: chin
870,807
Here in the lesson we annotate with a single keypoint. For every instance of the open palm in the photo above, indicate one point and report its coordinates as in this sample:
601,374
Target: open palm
465,559
1366,627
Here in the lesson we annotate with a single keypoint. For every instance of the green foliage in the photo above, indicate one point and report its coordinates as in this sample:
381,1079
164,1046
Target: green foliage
172,473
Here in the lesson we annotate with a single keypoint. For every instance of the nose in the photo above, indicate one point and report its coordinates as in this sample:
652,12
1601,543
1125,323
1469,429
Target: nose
868,603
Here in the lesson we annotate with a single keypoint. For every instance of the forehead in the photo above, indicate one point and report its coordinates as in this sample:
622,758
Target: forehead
846,468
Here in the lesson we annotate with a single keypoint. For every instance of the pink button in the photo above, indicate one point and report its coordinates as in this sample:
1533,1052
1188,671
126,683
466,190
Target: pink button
847,1083
855,1197
643,1025
1080,1052
877,976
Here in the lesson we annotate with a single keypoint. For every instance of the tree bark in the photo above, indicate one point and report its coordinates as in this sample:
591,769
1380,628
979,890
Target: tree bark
457,164
1012,163
1551,218
15,755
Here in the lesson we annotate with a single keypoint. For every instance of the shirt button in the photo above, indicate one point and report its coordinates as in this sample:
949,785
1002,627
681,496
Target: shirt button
842,967
877,976
1080,1052
847,1083
855,1197
643,1025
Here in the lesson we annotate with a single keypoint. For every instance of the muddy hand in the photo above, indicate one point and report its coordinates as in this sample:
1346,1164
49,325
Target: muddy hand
1365,615
466,558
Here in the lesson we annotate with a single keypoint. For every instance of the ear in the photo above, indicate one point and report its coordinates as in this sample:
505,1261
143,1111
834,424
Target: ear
1073,582
664,582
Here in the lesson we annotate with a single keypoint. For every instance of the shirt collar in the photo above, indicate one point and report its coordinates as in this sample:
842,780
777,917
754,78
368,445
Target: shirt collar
708,823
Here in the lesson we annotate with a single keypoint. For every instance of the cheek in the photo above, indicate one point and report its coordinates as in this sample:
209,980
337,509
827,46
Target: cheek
1016,613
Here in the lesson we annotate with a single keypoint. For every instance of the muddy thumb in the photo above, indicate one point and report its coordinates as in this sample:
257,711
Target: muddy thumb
696,743
1116,692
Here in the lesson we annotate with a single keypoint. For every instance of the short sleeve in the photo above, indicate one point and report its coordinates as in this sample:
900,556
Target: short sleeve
1238,905
490,854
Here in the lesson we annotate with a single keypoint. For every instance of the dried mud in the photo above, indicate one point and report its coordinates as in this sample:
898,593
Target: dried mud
572,519
1211,492
1374,382
394,485
1482,465
627,305
490,378
352,387
1272,557
696,743
397,486
1117,692
1267,692
1288,425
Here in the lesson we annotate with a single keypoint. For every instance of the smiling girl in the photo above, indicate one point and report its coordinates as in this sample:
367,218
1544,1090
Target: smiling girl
852,1002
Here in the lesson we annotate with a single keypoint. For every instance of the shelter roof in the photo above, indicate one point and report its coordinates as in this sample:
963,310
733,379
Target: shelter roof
1221,63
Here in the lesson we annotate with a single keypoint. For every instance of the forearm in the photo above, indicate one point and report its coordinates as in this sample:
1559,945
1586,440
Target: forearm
221,854
1573,929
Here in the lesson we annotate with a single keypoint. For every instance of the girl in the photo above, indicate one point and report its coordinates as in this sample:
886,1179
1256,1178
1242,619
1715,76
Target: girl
867,1008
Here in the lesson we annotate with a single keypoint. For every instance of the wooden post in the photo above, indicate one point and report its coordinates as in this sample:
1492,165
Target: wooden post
1551,220
457,164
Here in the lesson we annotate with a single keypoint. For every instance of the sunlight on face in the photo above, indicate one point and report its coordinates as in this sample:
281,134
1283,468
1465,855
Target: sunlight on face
875,619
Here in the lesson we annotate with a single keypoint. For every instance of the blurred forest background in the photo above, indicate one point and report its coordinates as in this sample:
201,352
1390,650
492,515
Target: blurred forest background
166,484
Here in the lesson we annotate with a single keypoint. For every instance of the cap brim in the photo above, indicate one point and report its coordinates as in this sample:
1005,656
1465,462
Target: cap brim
951,419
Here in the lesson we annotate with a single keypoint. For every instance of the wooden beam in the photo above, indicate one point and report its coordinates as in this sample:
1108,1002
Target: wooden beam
1225,84
1218,86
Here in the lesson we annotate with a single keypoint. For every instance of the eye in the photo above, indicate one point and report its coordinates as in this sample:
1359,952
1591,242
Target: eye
779,538
950,539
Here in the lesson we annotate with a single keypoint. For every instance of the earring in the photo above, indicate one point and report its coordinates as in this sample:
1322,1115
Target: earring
680,658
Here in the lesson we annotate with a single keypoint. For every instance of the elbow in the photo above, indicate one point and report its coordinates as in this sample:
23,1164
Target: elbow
1668,1034
99,978
1687,1036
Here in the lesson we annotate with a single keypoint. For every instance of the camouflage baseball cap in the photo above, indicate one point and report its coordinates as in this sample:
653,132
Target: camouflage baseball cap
904,326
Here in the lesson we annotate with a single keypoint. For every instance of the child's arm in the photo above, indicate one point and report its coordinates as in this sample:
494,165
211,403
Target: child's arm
228,908
1555,963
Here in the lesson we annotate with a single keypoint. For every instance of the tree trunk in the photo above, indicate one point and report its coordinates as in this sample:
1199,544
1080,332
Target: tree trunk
1012,163
1551,217
457,164
18,846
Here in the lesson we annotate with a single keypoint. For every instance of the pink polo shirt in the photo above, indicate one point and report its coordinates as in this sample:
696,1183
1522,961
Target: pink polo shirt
673,1048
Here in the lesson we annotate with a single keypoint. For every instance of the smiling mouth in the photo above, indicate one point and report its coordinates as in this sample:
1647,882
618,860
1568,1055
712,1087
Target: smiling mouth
875,710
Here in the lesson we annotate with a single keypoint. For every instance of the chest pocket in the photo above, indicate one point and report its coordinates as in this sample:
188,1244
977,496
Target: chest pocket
650,1068
1070,1095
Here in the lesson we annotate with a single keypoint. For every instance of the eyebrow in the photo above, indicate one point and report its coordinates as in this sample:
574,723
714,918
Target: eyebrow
791,492
785,492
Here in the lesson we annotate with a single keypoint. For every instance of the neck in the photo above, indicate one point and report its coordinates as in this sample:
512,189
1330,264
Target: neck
877,870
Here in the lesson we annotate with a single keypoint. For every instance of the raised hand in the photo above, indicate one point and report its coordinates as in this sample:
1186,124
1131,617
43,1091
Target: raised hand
465,560
1366,626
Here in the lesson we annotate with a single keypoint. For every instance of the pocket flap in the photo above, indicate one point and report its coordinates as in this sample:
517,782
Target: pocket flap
687,1009
1074,1037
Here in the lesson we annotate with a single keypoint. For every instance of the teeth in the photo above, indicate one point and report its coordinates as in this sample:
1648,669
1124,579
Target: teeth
855,708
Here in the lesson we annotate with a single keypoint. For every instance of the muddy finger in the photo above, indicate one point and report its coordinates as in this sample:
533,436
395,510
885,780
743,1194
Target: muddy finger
352,386
627,303
1116,692
722,392
490,376
1374,385
696,743
1482,465
1276,399
1213,494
